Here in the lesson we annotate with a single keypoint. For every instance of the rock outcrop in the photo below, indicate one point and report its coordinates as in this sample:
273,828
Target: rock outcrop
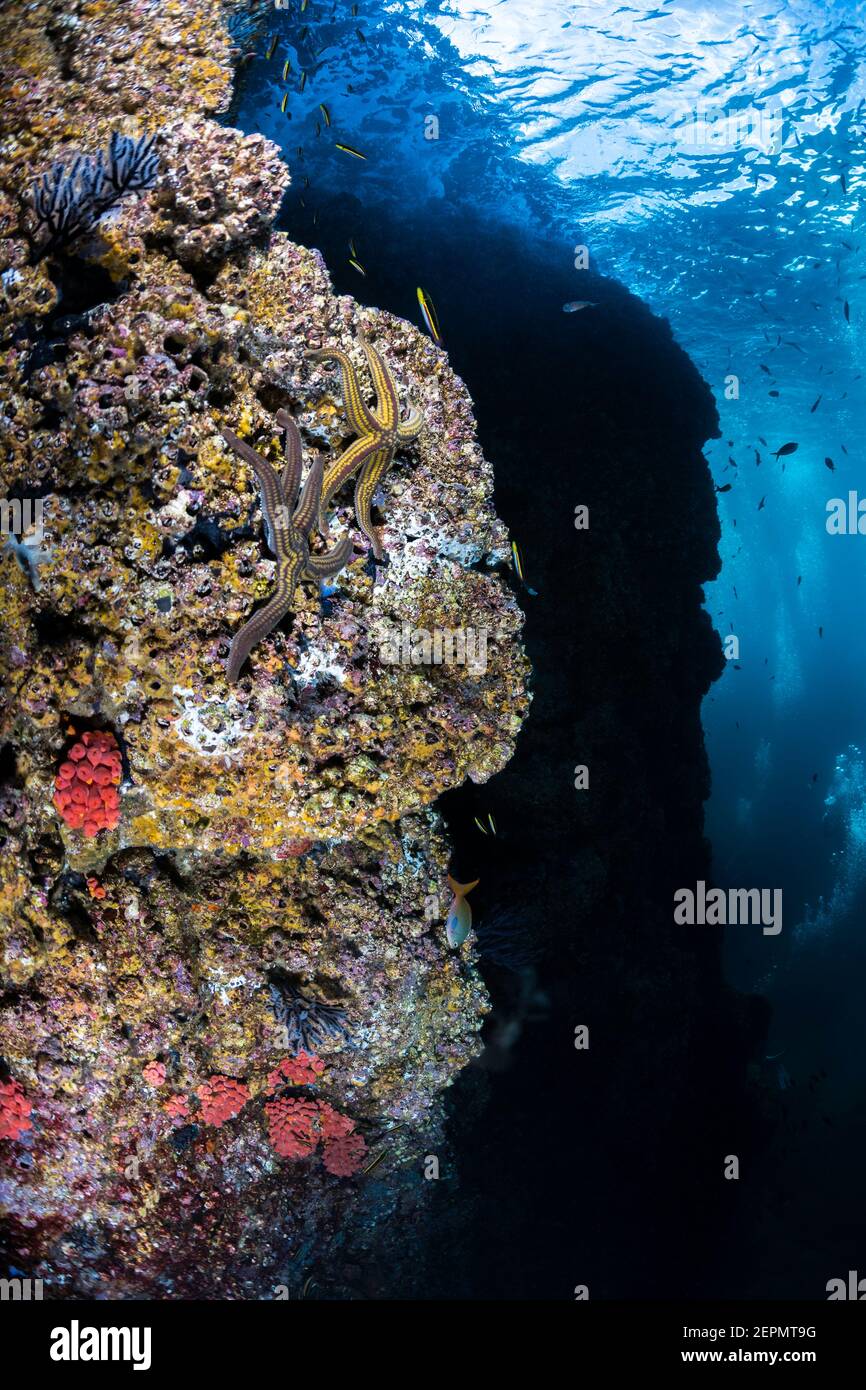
272,870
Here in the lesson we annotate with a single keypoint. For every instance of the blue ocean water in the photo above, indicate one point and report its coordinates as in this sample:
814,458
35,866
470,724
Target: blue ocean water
711,158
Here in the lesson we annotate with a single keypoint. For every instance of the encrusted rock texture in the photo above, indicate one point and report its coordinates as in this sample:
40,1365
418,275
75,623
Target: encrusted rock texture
270,870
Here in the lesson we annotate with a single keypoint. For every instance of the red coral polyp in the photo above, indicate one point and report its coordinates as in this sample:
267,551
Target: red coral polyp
333,1125
293,1126
154,1073
345,1156
302,1070
221,1099
297,1126
85,789
15,1110
177,1109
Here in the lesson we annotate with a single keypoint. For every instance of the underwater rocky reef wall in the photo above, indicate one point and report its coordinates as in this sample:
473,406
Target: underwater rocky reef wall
202,878
208,882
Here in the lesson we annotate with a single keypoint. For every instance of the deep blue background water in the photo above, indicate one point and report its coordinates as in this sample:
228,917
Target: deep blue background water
710,157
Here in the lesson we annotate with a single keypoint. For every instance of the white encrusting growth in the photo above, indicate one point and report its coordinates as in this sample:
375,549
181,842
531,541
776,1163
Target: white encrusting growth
208,725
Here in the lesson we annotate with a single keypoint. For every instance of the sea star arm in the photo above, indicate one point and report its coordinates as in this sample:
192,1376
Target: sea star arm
262,622
273,501
307,509
325,566
409,428
357,454
291,477
387,401
369,479
358,413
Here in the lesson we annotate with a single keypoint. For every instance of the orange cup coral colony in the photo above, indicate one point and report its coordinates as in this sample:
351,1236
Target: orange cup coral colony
86,789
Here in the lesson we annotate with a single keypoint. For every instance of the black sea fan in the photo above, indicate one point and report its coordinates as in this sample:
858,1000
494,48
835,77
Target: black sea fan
308,1022
503,937
68,200
243,26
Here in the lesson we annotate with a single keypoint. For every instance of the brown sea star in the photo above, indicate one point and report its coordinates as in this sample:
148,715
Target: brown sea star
380,431
288,524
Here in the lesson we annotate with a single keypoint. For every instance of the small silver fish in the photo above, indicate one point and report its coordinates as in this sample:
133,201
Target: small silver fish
574,304
458,923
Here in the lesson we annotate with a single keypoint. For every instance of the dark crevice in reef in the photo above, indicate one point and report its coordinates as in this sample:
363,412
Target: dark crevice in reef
9,774
82,288
55,629
206,540
67,898
599,1167
84,285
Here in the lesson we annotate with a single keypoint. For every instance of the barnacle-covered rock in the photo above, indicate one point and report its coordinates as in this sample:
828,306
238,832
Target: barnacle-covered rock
26,291
71,76
218,190
131,391
271,877
341,723
170,990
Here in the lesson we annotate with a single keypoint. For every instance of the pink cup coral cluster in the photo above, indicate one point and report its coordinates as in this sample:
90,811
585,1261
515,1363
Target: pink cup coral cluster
221,1099
297,1125
302,1070
177,1109
15,1110
292,1126
85,791
344,1154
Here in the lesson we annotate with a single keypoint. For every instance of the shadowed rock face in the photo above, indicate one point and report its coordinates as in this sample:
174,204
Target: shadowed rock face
617,1152
275,836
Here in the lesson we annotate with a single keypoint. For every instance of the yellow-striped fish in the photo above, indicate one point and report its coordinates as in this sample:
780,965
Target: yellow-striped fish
303,5
480,826
352,248
272,46
491,822
284,103
325,113
347,149
303,81
376,1161
515,555
357,265
431,318
287,67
